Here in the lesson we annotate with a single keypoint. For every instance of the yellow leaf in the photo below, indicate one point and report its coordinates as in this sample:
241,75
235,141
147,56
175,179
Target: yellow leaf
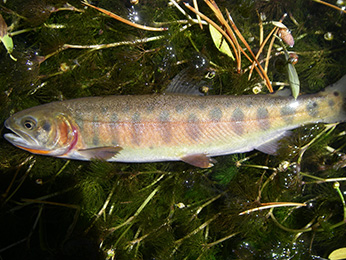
279,25
220,42
338,254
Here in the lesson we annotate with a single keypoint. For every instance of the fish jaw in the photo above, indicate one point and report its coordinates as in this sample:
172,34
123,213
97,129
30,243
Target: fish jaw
22,140
17,137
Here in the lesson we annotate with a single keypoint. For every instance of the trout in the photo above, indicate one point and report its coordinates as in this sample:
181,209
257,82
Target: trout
169,127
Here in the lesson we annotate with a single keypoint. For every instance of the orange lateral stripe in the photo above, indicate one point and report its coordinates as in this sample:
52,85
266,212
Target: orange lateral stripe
36,151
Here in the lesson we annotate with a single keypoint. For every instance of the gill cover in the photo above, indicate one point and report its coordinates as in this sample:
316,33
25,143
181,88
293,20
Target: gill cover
41,132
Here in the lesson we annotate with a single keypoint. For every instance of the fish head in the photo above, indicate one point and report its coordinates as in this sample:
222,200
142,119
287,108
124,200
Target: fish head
41,130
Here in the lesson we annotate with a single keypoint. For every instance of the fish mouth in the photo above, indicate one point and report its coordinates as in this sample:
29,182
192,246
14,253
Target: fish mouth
19,138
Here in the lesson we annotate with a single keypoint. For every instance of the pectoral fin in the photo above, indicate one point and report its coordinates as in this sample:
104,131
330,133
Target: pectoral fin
199,160
101,153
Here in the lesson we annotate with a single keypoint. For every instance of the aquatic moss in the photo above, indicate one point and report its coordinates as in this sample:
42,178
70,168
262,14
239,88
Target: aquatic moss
165,210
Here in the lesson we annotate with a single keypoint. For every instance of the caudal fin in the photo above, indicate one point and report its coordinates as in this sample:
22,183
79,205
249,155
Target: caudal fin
336,98
338,87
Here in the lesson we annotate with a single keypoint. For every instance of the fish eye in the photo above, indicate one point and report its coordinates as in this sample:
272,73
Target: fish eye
29,124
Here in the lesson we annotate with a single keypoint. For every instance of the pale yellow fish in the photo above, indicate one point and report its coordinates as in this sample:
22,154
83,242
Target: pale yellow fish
171,127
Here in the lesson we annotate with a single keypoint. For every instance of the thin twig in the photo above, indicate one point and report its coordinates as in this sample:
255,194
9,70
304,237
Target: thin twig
330,5
216,27
119,18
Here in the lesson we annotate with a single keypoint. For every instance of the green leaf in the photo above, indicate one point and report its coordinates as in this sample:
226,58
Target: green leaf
293,77
8,43
293,80
220,42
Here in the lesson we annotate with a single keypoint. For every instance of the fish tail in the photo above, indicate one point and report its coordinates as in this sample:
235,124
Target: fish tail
337,93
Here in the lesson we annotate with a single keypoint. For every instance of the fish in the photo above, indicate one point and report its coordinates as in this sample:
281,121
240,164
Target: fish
169,127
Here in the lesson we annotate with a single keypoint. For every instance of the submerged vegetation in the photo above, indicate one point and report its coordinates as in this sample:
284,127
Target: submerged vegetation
248,206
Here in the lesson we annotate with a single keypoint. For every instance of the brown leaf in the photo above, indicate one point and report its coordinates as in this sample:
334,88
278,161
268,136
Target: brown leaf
3,27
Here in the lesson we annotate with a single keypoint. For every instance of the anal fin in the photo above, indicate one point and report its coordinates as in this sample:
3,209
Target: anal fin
101,153
199,160
272,145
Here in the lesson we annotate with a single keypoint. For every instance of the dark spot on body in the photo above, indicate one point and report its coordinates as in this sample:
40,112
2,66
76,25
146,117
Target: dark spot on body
114,128
150,108
263,118
114,118
126,109
287,113
215,114
164,117
237,119
136,128
166,128
312,108
336,93
136,118
249,103
96,141
104,110
193,127
179,108
202,106
331,103
96,131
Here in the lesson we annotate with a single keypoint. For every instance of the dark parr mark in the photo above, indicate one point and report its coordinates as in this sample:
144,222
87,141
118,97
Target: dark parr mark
215,114
249,104
136,128
114,118
263,118
336,93
179,108
150,108
202,106
114,129
126,109
96,131
312,108
104,110
193,127
237,121
331,103
287,113
165,126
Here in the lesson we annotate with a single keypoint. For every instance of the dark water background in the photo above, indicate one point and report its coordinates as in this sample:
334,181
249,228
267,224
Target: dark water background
58,209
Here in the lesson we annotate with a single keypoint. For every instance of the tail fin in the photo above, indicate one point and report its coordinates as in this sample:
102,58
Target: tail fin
338,92
338,87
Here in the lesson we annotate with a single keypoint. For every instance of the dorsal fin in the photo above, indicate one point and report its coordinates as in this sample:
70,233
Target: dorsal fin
193,80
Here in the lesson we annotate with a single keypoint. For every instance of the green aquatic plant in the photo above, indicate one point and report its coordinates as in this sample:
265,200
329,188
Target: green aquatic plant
248,206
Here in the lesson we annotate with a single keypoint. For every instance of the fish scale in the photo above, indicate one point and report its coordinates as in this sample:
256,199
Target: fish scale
148,128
